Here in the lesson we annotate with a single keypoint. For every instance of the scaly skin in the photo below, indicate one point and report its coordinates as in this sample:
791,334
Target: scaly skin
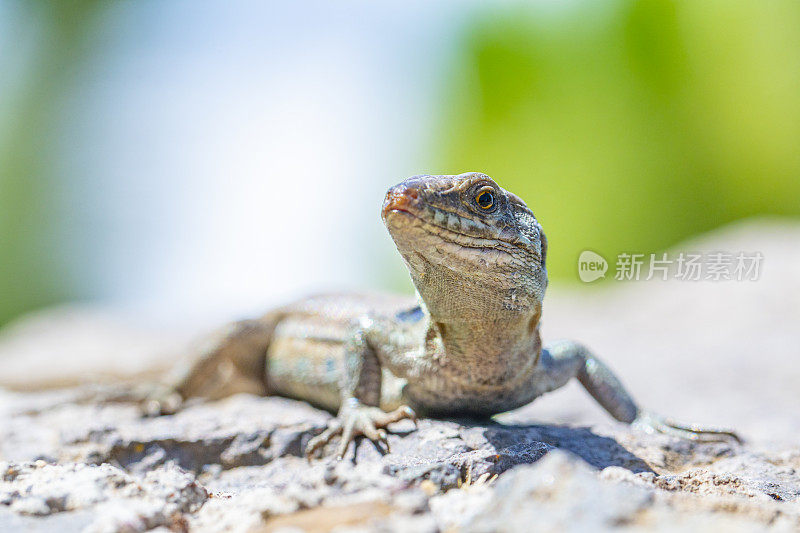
469,346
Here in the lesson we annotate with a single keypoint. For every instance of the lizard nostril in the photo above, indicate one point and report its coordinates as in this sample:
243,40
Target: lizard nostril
399,199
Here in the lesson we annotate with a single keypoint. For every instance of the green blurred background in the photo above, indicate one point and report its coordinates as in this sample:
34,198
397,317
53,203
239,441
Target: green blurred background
626,125
630,126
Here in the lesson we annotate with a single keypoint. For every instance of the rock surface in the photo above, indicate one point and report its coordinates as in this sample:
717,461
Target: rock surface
719,352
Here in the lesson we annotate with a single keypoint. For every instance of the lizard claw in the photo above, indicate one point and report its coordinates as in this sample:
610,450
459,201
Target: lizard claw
408,413
652,423
383,440
356,421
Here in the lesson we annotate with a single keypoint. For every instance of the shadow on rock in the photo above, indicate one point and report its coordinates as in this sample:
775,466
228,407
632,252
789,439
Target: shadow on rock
598,451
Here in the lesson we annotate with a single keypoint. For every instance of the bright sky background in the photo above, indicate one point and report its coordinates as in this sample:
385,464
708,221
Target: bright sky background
219,160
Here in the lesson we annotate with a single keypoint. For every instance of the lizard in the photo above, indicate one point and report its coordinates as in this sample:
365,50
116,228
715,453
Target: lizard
469,344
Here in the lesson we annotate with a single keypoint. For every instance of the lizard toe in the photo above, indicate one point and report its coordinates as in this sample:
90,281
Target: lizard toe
348,434
653,423
401,413
317,443
161,401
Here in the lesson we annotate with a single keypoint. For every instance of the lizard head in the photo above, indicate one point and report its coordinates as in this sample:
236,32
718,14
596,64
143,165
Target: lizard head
473,249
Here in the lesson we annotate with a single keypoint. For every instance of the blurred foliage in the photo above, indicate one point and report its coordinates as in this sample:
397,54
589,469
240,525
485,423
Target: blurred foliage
630,125
54,35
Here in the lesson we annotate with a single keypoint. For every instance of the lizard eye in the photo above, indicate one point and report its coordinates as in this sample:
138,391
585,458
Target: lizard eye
485,199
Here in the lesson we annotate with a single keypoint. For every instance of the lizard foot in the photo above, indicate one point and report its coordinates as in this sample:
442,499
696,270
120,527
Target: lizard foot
160,401
653,423
356,421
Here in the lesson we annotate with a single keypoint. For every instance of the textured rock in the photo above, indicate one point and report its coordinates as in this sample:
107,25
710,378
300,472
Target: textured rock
119,501
722,353
560,493
236,465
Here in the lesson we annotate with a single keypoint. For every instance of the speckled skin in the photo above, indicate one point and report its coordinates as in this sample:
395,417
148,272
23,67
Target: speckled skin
470,345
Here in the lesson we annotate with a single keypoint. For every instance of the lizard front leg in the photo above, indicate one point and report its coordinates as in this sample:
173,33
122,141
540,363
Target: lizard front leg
360,412
564,360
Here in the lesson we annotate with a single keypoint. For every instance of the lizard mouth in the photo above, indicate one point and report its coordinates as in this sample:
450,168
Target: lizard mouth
414,222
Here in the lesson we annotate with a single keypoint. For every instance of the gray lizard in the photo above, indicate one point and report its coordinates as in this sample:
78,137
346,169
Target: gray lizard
469,344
